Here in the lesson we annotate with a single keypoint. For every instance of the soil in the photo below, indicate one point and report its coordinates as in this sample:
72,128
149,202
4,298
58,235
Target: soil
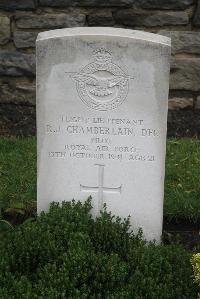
182,231
17,120
184,123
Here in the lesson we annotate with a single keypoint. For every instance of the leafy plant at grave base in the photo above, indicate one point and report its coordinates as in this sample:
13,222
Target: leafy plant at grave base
5,226
67,254
196,267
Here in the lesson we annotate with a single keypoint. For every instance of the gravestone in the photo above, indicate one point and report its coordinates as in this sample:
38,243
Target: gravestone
101,121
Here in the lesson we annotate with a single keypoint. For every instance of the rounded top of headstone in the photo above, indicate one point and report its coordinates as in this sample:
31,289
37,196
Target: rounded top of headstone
105,31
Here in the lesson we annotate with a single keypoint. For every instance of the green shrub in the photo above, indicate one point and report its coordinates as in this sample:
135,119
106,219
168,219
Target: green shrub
67,254
196,268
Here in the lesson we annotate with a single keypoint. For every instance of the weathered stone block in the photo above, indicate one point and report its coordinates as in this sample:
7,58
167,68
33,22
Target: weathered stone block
104,18
4,30
51,21
16,64
22,92
196,20
18,4
163,4
87,3
184,41
180,103
24,39
185,74
150,19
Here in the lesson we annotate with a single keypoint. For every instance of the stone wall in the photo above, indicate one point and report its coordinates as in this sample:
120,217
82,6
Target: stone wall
21,20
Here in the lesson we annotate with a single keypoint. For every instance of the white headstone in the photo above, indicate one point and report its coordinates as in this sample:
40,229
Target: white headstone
101,121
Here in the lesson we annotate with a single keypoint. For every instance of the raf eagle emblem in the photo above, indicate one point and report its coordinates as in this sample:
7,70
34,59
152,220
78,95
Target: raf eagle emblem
99,87
102,85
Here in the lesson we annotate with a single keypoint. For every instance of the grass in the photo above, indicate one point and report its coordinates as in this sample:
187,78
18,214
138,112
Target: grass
182,181
17,172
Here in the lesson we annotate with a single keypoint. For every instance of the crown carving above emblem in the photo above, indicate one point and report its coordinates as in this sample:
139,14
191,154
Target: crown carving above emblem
102,55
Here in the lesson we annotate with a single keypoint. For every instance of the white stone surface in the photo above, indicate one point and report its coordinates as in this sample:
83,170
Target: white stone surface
101,121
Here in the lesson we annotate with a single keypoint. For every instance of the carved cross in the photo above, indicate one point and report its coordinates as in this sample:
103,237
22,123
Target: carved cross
100,189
